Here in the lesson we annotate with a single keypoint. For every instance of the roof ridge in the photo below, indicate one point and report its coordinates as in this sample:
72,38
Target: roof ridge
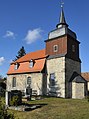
84,72
38,54
29,60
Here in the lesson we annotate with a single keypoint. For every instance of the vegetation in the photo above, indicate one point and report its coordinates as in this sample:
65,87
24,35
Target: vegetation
3,112
3,78
56,108
2,86
14,101
21,53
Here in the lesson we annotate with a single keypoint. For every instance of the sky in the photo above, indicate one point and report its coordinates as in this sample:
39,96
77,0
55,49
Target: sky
28,22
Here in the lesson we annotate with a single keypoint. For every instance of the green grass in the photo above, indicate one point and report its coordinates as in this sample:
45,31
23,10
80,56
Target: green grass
56,108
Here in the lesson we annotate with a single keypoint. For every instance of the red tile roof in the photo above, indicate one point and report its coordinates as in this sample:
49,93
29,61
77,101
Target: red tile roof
32,55
39,58
85,75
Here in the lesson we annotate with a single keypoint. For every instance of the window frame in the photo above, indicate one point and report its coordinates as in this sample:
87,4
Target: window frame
16,66
31,63
14,82
73,48
29,80
55,48
52,79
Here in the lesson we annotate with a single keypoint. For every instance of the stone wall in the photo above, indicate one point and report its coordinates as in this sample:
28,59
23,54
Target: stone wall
77,90
57,66
71,67
21,82
88,86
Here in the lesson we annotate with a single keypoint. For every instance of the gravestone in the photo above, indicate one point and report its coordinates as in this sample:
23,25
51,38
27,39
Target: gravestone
28,93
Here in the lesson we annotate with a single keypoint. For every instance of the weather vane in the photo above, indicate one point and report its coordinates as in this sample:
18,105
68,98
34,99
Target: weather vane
62,3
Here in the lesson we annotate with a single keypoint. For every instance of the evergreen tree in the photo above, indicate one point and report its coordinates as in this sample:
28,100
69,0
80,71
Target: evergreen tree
21,53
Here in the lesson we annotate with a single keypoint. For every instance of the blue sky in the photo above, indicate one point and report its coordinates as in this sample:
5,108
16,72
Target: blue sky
28,22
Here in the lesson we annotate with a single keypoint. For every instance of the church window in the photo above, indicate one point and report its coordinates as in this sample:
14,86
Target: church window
14,82
52,79
31,63
55,48
73,48
29,81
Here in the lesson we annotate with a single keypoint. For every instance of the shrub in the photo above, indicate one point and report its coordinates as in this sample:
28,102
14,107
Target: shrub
3,111
14,101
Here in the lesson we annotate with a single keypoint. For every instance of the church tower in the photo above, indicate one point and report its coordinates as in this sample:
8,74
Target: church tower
62,47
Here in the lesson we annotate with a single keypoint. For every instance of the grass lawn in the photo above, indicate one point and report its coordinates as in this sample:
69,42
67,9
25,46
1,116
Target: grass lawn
56,108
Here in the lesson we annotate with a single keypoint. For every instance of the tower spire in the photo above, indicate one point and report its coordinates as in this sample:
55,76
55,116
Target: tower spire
62,20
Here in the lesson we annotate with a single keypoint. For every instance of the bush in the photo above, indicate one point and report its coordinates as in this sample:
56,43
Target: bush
3,111
14,101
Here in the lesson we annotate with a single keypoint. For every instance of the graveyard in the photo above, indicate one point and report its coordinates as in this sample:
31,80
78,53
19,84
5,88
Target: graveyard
55,108
47,107
35,107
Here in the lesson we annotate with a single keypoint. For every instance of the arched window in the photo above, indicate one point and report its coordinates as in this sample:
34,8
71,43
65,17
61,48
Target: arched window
29,81
52,79
14,82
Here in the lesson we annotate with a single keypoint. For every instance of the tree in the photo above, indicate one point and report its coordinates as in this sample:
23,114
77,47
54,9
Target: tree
21,53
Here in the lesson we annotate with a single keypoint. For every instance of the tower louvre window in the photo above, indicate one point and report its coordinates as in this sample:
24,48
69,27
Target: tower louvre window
55,48
73,48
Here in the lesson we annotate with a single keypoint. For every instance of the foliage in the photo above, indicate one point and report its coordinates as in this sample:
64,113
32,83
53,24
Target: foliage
14,101
3,78
2,88
21,53
87,97
3,111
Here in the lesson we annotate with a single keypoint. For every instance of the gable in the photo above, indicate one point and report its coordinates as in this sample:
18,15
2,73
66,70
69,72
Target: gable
77,78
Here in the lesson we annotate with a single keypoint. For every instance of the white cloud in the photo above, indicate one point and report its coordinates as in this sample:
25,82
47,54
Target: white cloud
9,34
2,59
33,35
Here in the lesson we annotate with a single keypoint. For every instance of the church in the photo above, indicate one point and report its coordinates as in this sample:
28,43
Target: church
53,71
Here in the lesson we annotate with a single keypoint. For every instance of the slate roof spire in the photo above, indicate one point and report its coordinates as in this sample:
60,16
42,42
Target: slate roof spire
62,17
62,21
61,27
